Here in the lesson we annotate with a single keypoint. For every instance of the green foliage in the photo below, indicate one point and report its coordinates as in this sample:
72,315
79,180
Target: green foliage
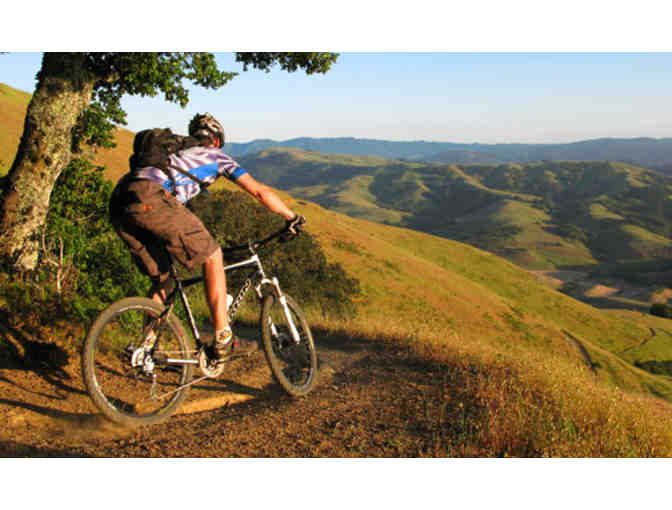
80,253
84,265
656,367
234,219
310,62
148,74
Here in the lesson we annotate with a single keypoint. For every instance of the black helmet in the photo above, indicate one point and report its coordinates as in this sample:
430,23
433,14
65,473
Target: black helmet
207,125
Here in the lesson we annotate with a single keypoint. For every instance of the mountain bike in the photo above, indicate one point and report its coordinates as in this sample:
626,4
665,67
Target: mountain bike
138,363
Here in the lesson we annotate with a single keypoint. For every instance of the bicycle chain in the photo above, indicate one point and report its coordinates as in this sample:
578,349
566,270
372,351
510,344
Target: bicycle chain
239,299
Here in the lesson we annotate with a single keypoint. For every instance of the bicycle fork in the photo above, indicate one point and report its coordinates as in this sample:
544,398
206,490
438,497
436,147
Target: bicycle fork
285,309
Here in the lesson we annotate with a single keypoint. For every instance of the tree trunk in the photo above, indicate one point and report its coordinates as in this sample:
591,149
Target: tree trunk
63,91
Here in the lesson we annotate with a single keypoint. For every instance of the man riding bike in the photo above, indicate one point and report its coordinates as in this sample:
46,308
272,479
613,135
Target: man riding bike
146,216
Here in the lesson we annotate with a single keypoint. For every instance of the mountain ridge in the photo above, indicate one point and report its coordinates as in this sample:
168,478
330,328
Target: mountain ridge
655,153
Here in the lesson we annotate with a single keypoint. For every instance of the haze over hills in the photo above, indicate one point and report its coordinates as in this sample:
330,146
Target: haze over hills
647,152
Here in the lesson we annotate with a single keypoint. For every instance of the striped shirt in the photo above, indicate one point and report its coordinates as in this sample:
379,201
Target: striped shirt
205,163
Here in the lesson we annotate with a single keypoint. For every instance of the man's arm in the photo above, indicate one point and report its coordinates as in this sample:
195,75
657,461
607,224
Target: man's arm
265,195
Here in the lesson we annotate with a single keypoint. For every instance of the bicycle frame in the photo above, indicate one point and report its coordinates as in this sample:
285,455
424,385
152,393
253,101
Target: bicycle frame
113,340
257,277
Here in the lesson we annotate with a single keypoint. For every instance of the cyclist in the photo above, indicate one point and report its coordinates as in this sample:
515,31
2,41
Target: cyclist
145,215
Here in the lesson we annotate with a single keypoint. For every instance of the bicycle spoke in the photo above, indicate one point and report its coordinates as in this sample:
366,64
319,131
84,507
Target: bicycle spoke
128,383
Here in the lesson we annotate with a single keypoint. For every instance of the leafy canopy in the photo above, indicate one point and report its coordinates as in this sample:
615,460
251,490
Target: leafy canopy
148,74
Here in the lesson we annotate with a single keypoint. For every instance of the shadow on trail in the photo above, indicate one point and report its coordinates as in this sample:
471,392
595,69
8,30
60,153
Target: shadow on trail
23,351
228,385
65,416
13,449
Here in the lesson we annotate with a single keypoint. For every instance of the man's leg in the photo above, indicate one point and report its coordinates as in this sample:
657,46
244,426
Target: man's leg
160,290
215,289
215,293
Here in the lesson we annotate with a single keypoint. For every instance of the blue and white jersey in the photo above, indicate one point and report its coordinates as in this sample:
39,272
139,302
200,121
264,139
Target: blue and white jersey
205,163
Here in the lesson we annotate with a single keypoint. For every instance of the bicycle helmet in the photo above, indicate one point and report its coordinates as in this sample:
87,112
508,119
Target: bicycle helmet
207,125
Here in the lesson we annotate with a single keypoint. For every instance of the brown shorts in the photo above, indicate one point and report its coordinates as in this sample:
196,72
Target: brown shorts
148,218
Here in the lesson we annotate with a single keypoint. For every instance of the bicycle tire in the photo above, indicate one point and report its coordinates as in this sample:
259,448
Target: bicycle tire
114,384
293,366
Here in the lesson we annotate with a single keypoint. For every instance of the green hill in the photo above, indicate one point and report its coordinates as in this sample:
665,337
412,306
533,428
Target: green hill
539,215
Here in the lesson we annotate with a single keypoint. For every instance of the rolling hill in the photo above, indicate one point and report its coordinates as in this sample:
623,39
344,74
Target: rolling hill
647,152
539,215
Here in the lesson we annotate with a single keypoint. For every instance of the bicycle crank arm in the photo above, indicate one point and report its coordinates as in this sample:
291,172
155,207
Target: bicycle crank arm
162,359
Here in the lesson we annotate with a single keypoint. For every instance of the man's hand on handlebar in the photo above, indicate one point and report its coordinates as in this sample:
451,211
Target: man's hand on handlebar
295,225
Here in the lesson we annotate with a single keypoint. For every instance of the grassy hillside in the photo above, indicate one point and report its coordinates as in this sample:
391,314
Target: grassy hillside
540,367
539,215
13,105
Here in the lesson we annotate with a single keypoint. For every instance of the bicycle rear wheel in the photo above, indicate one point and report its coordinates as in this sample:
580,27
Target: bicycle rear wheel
129,386
294,366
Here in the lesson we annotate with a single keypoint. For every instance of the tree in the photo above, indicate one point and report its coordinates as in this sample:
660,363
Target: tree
78,100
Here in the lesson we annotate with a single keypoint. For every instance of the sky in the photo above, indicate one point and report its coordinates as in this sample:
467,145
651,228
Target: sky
436,91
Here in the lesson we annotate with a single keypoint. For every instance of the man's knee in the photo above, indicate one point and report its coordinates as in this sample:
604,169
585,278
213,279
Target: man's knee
214,258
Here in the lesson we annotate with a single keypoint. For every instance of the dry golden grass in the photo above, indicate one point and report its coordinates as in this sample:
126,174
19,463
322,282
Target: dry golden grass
514,383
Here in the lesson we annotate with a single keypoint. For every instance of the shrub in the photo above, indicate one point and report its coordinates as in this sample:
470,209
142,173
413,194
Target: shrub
84,265
234,218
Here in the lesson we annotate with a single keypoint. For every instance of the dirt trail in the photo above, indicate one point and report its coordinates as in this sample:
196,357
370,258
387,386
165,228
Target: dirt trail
361,407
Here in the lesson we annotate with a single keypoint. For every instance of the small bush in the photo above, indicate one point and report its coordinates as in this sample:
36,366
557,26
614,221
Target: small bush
84,266
234,218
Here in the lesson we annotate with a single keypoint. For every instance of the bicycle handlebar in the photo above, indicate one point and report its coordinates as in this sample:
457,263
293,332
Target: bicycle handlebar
254,245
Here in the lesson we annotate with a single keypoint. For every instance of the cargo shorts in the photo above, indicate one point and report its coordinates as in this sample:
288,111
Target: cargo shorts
151,221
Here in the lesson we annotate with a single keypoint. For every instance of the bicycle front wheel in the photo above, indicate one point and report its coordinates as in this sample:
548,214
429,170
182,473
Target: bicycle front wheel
130,385
293,365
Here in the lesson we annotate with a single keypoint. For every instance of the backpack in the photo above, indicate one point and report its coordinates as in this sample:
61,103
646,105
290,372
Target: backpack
153,147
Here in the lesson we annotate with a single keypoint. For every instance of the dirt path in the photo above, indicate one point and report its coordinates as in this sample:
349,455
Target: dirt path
371,400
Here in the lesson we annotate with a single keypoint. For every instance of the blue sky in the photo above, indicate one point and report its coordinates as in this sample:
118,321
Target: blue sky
439,96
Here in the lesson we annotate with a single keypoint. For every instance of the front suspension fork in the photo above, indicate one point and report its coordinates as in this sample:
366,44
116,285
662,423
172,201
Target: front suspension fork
285,309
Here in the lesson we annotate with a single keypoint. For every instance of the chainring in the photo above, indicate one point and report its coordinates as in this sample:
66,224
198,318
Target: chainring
208,367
